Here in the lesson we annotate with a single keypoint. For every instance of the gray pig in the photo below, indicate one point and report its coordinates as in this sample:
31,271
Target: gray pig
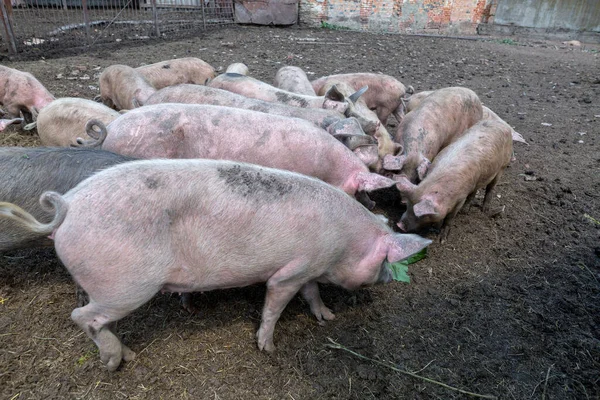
29,172
197,225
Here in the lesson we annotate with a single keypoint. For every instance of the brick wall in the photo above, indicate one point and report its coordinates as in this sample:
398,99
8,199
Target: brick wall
428,16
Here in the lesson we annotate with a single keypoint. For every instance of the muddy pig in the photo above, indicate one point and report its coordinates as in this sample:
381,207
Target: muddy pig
64,120
237,68
415,100
123,88
293,79
384,97
441,117
475,160
21,92
197,225
180,70
250,87
203,131
29,172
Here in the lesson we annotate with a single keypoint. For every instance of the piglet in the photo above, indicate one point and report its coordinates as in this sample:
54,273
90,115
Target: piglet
176,71
441,117
384,96
124,88
202,131
197,225
21,92
64,120
475,160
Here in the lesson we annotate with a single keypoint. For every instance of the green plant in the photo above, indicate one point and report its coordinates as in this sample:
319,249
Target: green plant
326,25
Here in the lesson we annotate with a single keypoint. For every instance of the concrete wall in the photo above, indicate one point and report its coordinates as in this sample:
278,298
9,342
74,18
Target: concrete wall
577,15
452,16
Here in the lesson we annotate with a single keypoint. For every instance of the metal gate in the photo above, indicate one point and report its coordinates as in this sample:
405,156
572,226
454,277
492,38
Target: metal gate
49,24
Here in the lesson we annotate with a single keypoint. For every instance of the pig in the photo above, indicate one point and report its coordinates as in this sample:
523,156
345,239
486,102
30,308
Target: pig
384,97
360,110
237,68
203,131
489,114
294,79
21,92
473,161
441,117
250,87
124,88
413,102
64,120
180,70
28,172
196,94
133,230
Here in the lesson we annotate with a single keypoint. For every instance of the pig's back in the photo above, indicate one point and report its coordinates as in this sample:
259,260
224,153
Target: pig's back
213,132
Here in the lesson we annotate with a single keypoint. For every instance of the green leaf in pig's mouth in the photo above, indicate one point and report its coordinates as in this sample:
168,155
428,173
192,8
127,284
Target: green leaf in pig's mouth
400,268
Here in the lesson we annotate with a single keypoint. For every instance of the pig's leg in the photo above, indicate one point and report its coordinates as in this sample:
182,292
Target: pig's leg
364,199
467,206
281,287
95,320
81,296
488,192
448,220
310,292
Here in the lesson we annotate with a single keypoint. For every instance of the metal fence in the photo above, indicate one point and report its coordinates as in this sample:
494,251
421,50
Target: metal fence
43,24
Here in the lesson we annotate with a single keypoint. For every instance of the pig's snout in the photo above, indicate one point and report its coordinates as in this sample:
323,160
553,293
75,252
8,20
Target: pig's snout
385,274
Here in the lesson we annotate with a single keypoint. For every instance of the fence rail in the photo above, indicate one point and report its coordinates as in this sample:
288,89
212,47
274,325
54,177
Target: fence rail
46,24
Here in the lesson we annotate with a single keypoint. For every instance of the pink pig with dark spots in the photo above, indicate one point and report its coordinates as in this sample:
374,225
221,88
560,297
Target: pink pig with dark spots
133,230
176,71
203,131
473,161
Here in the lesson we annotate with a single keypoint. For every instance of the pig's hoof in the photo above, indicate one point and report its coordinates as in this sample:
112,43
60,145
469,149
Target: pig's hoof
112,362
128,354
265,344
324,314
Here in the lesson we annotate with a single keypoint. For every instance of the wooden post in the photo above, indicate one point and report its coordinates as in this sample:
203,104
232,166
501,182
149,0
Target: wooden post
203,16
86,19
64,4
8,26
155,17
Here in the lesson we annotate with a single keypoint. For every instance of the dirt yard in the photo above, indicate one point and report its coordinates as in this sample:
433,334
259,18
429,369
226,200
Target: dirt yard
508,306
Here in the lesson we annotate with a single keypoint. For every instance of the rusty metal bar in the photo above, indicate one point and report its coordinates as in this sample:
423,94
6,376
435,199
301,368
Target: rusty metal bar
8,26
203,16
86,19
155,17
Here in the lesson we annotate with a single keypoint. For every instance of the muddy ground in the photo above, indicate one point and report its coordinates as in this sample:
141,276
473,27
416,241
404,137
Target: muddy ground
508,306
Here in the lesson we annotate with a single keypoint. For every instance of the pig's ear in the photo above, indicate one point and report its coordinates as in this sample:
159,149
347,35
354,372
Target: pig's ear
398,148
367,154
369,182
393,163
334,94
401,246
425,208
517,137
354,96
423,167
405,187
123,111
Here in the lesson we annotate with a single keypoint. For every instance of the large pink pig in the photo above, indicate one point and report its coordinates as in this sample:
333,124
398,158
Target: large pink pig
251,87
440,118
21,92
197,225
475,160
203,131
384,95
